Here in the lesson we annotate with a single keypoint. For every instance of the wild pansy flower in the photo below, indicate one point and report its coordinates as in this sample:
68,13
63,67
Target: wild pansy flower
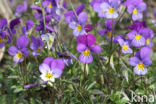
78,25
108,31
51,69
21,8
49,39
125,46
20,50
36,45
49,5
67,58
86,46
135,7
148,35
29,25
107,9
136,38
141,60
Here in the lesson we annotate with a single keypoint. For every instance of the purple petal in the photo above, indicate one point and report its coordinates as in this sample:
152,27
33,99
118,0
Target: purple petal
137,16
81,47
147,61
57,64
48,61
25,51
145,52
134,61
12,50
22,42
131,35
96,49
82,17
102,32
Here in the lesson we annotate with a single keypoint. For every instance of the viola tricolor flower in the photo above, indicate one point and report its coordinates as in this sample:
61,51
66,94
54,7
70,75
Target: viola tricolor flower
141,60
86,46
148,34
36,45
67,58
108,31
29,25
79,25
136,38
49,39
51,69
135,7
107,9
125,46
20,50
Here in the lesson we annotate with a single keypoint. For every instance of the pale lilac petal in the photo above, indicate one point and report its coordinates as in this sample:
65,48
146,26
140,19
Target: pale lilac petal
137,16
44,68
48,61
85,59
147,61
140,72
145,52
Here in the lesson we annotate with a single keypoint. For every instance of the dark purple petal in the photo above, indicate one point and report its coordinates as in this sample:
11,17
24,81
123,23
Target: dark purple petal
88,28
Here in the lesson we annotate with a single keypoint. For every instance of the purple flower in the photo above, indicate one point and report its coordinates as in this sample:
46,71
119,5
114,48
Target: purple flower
125,46
135,8
85,47
108,31
107,9
21,8
137,25
79,25
136,38
67,58
36,45
141,60
50,6
51,69
148,35
29,25
20,50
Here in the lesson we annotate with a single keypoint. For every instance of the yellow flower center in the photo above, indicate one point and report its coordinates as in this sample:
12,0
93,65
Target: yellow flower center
50,6
109,34
1,40
125,47
141,66
49,75
19,55
38,49
79,27
135,11
50,41
111,10
147,41
138,37
86,52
